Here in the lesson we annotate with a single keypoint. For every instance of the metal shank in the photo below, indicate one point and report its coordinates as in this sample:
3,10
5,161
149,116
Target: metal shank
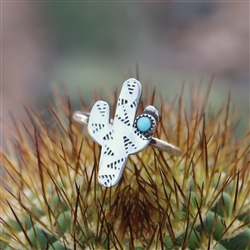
82,117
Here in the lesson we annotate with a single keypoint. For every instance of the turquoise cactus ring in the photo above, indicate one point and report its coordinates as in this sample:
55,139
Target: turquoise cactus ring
123,135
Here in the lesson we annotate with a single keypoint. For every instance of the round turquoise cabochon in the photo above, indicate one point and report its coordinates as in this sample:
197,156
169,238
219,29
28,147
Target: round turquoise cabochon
144,123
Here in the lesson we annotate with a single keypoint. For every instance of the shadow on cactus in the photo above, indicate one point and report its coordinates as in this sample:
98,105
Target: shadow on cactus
51,198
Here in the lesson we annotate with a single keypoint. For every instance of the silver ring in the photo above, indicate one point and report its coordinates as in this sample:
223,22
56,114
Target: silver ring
83,118
123,135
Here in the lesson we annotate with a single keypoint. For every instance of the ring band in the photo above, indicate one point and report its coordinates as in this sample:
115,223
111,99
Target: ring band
83,117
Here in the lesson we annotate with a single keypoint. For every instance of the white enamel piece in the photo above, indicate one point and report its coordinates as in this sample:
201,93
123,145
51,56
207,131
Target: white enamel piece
122,137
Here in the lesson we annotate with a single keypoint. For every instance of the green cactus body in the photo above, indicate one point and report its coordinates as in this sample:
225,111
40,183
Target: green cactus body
52,199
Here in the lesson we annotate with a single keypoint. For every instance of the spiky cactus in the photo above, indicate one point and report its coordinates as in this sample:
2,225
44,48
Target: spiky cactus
51,198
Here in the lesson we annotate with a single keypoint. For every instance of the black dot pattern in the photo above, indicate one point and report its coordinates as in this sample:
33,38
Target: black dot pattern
108,136
97,126
131,87
107,179
128,143
133,105
122,101
125,118
114,165
102,108
108,151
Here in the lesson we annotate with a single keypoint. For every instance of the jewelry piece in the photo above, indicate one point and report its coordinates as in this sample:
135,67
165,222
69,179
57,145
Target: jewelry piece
124,135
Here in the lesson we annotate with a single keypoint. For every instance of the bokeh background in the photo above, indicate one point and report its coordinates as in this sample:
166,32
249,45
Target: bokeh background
97,44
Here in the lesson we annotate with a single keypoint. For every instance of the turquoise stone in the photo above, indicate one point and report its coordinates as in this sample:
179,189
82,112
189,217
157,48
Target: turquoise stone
144,124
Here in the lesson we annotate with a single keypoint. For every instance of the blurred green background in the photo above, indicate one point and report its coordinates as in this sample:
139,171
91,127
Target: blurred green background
97,44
